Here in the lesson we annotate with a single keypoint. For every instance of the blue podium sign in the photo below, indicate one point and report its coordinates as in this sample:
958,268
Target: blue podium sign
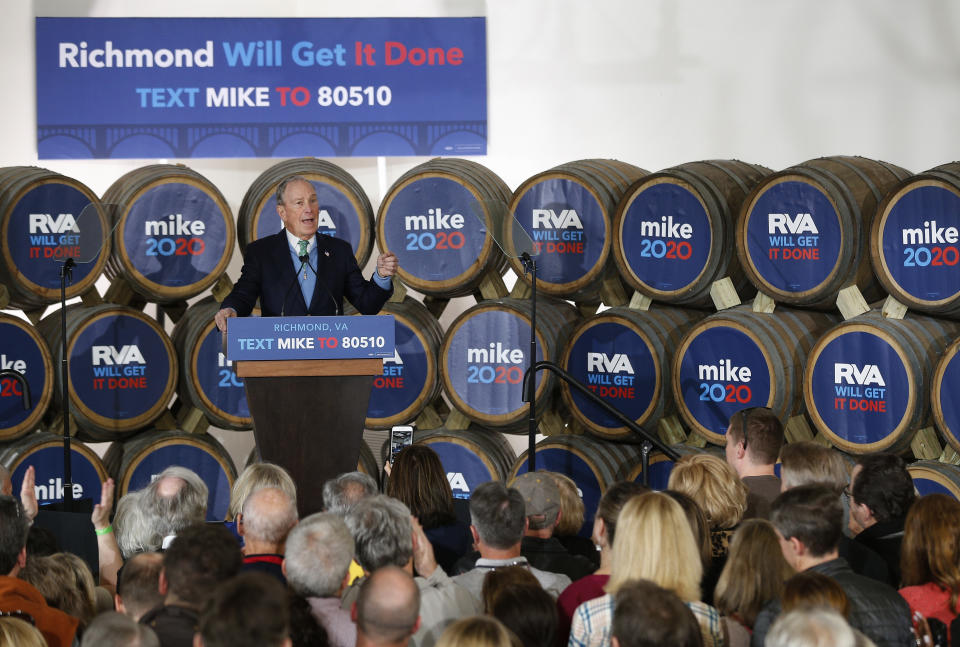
288,338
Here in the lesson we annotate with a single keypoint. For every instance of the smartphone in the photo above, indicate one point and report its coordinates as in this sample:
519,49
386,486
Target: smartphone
400,436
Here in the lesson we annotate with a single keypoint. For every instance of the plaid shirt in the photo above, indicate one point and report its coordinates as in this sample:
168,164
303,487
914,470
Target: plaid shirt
593,620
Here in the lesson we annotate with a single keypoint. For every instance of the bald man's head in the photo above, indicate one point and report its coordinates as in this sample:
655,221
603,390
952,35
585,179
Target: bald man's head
268,516
388,607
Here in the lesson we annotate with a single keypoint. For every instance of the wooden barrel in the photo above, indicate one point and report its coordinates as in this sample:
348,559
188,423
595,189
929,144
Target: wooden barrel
568,213
44,451
344,209
802,233
134,463
486,351
625,357
943,395
438,218
867,381
24,350
207,379
411,378
470,456
738,358
673,230
123,370
931,477
915,241
174,232
41,213
593,465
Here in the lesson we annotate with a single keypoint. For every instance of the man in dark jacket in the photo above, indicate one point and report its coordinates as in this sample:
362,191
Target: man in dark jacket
881,493
808,520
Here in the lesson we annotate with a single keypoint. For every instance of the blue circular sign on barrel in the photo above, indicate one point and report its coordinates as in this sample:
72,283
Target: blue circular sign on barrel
19,352
949,403
404,375
119,366
465,470
617,365
217,378
432,225
336,215
860,388
195,459
486,360
666,237
722,371
793,236
175,234
45,227
921,243
48,478
568,228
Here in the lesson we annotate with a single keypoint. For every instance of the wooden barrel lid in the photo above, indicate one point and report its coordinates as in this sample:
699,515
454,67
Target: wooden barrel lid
410,379
123,369
943,395
44,451
915,241
568,213
438,218
23,349
344,208
39,215
207,378
134,463
175,232
802,233
485,353
865,383
931,477
625,357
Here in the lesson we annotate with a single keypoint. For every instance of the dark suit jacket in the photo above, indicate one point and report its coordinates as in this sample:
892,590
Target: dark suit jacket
269,274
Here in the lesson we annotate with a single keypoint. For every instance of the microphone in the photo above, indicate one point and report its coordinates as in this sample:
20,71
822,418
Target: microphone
336,307
295,282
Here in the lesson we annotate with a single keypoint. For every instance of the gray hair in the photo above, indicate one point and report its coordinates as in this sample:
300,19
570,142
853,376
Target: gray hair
254,477
811,628
343,492
132,526
171,514
497,512
318,554
282,187
114,629
381,528
268,515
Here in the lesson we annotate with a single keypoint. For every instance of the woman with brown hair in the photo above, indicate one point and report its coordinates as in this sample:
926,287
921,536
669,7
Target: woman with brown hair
753,575
930,557
418,480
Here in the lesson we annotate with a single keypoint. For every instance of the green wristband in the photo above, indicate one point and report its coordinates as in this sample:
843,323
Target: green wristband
103,531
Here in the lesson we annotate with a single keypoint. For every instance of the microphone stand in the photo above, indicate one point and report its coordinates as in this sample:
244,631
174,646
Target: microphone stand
530,266
66,274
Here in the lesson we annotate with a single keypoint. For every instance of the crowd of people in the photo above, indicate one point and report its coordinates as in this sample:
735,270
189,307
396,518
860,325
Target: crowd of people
831,552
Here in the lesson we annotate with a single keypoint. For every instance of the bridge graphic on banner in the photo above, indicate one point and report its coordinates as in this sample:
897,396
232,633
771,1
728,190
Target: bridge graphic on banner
262,140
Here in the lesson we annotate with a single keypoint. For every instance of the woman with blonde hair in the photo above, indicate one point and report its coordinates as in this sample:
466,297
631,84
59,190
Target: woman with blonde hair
572,516
930,557
654,542
477,631
17,632
753,575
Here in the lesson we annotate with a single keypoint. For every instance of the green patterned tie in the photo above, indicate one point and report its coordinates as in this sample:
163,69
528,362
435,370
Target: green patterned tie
303,247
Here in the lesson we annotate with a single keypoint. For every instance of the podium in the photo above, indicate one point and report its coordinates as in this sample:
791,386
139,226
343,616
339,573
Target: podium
308,382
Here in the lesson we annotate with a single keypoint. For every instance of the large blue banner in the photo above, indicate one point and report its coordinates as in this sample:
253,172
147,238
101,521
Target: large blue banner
259,87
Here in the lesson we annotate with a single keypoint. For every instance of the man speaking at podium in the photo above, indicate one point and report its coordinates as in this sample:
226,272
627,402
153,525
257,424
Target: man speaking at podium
295,272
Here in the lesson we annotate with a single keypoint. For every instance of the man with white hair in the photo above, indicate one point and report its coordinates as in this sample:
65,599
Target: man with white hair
317,559
267,518
177,498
